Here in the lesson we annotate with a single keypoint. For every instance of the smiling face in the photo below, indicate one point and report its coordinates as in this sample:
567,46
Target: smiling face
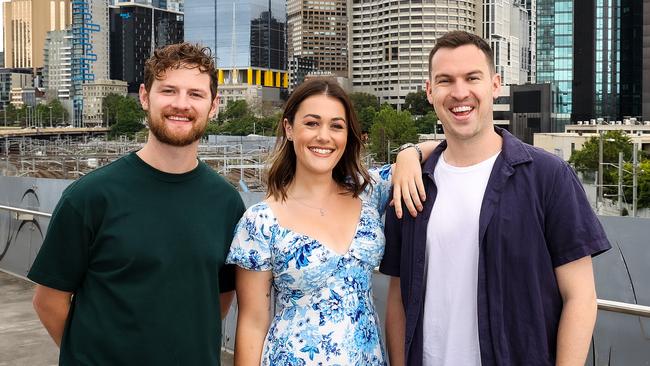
178,106
319,133
462,89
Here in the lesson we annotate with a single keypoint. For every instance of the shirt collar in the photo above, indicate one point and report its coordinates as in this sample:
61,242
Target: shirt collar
513,151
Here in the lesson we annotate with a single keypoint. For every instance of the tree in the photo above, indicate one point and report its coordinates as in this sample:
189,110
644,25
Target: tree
362,100
643,181
417,103
50,113
235,109
128,116
391,129
12,115
586,160
111,103
366,118
268,125
428,123
59,113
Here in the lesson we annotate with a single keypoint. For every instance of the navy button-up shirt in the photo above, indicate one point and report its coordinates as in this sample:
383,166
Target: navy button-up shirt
534,217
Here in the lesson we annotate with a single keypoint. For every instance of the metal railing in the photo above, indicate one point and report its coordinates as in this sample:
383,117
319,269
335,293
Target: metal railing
605,305
23,211
624,308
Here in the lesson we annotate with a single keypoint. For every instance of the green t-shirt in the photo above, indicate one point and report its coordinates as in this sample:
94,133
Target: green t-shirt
143,251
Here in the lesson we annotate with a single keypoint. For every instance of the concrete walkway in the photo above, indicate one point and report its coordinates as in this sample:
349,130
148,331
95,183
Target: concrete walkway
23,340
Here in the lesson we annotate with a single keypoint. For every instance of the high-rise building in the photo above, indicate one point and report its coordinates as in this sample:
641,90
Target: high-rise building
608,71
174,5
318,31
26,23
14,78
506,26
90,45
531,58
57,72
391,41
555,54
248,40
93,96
134,35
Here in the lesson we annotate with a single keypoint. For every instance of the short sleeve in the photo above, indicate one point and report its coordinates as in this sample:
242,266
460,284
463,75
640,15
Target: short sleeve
572,229
62,261
390,263
227,271
251,244
378,192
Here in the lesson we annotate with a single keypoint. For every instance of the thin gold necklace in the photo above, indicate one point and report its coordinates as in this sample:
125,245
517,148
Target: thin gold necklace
322,210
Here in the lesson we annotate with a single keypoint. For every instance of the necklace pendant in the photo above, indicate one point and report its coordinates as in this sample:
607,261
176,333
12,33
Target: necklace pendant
322,212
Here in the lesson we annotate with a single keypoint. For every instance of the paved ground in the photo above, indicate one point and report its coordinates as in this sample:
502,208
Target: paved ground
23,341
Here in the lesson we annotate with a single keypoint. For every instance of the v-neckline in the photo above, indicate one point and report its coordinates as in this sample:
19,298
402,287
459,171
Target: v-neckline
322,243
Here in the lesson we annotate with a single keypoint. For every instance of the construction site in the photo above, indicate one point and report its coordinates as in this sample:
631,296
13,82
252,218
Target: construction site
240,159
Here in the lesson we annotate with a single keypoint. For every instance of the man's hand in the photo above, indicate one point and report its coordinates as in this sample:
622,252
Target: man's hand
407,182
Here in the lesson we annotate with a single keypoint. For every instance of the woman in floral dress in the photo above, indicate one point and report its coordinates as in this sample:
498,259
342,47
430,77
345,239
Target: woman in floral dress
314,241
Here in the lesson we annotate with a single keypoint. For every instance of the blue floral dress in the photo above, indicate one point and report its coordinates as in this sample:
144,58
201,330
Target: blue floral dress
324,313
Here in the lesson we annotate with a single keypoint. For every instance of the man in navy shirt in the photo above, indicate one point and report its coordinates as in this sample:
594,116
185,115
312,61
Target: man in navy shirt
496,269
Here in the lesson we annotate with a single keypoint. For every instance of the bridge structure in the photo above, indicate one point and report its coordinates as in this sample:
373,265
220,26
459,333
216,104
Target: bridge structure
52,132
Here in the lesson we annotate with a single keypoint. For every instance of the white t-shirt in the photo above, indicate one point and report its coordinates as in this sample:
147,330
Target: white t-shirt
450,302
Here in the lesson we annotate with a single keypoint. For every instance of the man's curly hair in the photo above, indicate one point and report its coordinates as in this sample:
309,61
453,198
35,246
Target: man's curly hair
174,56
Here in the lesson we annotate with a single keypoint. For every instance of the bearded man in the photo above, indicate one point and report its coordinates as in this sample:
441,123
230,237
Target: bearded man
132,271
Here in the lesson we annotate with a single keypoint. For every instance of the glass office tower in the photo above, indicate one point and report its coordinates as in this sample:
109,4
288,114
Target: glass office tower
608,58
555,54
247,38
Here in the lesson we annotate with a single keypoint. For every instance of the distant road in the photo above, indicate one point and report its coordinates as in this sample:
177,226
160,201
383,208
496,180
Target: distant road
46,131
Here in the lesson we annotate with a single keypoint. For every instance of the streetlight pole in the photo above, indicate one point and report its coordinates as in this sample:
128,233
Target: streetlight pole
599,187
635,184
620,182
50,108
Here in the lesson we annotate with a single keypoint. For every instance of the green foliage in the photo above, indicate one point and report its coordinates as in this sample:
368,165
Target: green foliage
40,114
361,101
417,103
58,113
128,116
235,110
238,119
366,118
643,181
111,103
212,129
12,115
391,129
428,123
586,160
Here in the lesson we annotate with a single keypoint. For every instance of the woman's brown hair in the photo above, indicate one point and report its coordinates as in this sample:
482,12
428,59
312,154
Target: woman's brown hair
349,173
